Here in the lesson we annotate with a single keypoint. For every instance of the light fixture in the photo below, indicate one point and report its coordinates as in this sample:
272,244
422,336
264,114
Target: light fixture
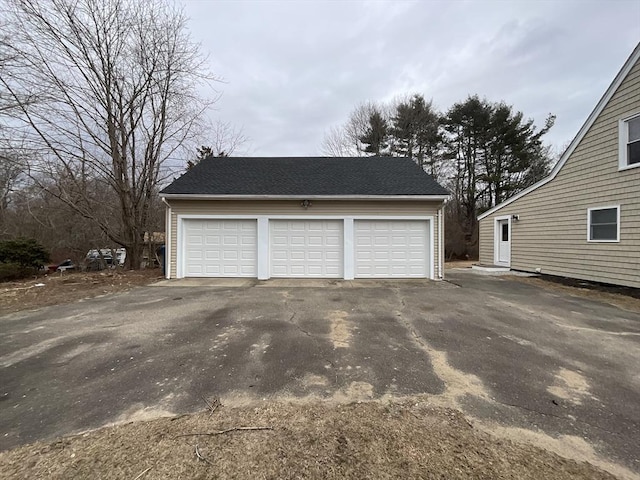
515,217
305,204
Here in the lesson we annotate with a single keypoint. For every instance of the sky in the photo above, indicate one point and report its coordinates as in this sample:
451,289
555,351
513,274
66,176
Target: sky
292,69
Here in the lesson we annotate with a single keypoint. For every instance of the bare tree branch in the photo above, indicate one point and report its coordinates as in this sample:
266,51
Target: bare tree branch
103,92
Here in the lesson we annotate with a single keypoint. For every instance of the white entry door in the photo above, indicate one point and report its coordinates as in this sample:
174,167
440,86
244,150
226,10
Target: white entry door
503,231
306,248
392,248
220,248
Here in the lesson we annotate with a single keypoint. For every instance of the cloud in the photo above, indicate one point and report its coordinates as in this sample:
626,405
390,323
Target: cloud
293,69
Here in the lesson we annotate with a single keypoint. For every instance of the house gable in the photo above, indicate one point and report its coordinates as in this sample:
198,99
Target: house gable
551,231
627,71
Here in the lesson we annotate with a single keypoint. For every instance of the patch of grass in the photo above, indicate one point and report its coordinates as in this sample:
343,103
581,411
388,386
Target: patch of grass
318,441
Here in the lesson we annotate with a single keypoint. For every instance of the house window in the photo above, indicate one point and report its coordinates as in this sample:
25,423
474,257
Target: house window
604,224
629,148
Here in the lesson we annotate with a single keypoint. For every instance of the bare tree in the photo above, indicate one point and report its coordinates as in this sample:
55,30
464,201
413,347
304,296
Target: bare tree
115,84
11,177
345,140
34,213
335,143
225,139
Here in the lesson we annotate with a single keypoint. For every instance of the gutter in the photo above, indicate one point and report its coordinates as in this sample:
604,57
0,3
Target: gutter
385,198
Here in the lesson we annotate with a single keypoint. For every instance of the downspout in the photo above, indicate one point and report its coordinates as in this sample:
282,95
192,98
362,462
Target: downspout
441,242
167,247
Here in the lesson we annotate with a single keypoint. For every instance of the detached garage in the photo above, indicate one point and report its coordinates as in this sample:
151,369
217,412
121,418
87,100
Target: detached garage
372,217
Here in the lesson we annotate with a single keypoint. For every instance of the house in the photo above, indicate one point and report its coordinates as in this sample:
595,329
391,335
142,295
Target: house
372,217
583,220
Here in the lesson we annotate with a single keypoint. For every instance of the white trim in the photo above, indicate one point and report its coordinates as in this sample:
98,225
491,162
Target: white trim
349,260
432,262
263,252
385,198
182,246
167,240
497,234
606,207
622,74
623,142
263,247
205,216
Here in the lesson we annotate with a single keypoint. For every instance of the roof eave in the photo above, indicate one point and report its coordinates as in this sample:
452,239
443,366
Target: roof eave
604,100
196,196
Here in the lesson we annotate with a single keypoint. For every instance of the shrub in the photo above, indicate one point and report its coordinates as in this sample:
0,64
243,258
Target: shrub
25,252
13,271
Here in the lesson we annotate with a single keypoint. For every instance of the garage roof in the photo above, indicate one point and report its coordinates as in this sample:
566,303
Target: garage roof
306,176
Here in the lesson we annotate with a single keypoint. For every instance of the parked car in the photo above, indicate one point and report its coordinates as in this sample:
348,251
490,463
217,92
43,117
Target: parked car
62,267
103,258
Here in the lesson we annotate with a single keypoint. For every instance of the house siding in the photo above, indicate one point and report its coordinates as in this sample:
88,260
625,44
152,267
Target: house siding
551,234
293,208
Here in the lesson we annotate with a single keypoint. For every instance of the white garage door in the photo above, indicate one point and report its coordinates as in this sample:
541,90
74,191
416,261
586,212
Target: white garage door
391,248
220,248
306,248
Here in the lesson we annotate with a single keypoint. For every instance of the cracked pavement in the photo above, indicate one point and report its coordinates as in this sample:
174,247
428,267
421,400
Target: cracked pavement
520,361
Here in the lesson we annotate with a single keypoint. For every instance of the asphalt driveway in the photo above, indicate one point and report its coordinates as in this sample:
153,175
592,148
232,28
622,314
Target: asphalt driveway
522,360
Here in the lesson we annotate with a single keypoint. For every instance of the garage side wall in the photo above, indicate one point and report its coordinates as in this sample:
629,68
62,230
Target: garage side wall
551,233
294,208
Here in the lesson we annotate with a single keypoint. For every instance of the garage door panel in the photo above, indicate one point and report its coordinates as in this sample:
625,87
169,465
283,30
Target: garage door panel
315,241
215,248
297,255
334,241
306,248
279,254
391,248
195,239
331,255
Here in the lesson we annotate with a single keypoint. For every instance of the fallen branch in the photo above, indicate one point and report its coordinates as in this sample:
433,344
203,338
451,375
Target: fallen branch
200,457
212,407
142,473
222,432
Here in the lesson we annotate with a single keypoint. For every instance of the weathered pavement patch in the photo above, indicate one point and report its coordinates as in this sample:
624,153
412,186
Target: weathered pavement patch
523,362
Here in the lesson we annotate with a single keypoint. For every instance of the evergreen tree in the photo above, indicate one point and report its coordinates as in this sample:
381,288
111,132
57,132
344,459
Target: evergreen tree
376,134
202,153
494,153
417,133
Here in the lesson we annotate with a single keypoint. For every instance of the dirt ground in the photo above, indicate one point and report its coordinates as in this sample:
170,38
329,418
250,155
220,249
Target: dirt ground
65,287
620,300
459,264
404,439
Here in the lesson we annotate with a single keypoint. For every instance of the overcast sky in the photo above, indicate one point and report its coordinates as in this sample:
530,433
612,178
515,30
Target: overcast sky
292,69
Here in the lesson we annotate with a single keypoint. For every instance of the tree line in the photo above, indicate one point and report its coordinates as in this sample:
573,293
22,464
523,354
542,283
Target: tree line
98,99
483,152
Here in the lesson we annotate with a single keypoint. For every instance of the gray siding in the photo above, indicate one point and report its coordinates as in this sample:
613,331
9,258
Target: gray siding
552,231
293,208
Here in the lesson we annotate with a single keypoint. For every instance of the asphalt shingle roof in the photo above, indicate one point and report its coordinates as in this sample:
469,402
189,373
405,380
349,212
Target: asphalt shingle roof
306,176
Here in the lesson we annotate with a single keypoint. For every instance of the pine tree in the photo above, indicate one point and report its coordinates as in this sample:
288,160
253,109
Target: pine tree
376,134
